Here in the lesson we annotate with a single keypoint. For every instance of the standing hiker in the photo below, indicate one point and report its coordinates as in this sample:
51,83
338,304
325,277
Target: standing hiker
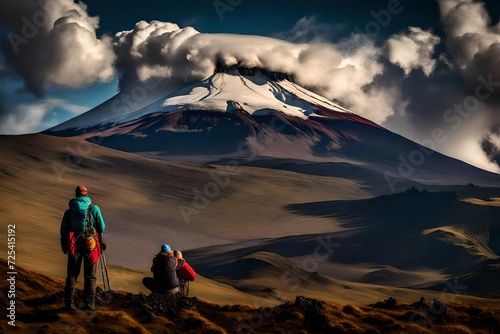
81,229
164,270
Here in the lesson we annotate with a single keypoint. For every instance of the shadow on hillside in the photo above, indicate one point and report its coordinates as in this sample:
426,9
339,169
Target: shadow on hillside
414,229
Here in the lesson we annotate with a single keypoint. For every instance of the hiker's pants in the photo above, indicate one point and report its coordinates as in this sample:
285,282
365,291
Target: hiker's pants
89,273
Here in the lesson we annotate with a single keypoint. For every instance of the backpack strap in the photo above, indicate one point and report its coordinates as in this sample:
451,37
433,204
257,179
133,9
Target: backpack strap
89,225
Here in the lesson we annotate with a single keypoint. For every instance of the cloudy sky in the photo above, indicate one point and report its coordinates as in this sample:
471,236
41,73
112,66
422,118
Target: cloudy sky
426,69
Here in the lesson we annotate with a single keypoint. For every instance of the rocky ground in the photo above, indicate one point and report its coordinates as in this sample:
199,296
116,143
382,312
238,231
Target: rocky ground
40,301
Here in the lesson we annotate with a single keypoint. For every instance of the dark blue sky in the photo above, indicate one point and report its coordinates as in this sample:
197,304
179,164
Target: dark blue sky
260,17
269,17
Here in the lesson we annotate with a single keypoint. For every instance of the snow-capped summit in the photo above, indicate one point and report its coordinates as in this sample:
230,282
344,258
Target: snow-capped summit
253,91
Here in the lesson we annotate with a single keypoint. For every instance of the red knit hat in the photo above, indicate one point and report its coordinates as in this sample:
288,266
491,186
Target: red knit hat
81,190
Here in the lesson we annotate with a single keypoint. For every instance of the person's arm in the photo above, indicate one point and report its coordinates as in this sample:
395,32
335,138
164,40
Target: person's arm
98,219
64,231
153,266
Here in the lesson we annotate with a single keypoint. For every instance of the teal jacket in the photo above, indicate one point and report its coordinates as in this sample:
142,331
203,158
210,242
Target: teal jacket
75,217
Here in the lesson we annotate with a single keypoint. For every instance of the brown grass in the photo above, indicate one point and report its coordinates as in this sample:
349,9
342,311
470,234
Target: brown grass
137,313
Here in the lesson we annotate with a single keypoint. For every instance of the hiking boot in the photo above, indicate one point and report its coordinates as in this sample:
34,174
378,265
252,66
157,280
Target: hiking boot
89,294
89,302
89,307
70,307
69,299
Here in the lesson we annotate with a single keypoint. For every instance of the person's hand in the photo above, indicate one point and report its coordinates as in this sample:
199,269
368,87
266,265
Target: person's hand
64,245
103,246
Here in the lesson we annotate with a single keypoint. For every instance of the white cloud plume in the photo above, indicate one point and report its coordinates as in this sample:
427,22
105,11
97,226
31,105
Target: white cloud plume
467,143
35,117
413,50
345,72
468,29
474,43
55,43
491,145
472,40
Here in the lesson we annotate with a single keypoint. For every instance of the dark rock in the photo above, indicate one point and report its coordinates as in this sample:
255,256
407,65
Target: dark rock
388,303
284,316
438,309
315,319
235,308
146,313
186,303
348,309
422,303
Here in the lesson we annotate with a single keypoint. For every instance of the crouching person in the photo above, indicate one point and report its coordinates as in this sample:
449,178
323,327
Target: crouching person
164,270
185,271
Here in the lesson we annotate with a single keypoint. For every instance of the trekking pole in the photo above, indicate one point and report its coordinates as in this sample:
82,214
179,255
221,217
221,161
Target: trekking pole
102,272
106,269
103,260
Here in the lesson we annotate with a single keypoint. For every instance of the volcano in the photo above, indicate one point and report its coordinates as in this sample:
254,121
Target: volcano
248,113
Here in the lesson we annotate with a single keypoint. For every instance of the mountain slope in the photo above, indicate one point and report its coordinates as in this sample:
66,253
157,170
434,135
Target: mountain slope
241,112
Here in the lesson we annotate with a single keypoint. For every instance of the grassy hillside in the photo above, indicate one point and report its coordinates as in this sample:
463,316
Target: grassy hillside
40,310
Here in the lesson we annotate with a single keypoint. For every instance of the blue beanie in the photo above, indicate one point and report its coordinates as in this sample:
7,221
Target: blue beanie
165,248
